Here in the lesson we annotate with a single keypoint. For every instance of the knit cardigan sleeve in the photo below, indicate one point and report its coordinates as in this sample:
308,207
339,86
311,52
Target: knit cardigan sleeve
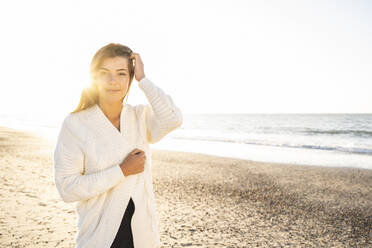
71,182
161,115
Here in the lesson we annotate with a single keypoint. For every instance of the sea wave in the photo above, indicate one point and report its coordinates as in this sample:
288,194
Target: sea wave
354,133
353,150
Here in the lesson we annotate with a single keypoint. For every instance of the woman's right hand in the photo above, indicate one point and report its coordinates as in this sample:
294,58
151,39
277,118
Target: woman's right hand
133,163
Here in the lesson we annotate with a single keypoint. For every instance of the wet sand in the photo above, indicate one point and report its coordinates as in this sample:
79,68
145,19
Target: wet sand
202,201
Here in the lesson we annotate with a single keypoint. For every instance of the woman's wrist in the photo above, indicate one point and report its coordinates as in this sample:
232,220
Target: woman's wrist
141,77
122,167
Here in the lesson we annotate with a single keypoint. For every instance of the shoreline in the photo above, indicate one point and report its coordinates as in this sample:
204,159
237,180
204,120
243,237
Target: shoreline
202,200
270,154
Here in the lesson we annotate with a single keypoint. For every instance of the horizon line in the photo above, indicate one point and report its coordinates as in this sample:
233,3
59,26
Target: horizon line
281,113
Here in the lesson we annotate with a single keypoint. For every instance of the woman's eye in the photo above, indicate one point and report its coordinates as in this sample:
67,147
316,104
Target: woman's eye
122,74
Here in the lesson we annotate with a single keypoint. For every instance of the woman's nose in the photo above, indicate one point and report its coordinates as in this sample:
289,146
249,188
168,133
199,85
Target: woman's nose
111,79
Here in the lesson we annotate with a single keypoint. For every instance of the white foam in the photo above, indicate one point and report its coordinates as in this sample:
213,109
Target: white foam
288,155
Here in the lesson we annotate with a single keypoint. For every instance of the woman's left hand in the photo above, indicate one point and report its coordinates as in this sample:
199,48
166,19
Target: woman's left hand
139,71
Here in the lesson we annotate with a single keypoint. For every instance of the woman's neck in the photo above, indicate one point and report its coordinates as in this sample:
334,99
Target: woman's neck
112,110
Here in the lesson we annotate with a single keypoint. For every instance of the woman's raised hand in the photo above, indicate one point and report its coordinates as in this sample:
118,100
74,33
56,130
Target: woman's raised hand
139,68
134,162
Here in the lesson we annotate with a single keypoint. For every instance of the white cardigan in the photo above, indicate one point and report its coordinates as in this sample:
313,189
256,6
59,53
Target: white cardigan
87,171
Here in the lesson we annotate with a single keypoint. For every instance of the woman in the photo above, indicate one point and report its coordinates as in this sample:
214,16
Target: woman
102,158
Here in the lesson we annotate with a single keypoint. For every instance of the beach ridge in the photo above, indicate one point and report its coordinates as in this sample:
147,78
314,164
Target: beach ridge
202,200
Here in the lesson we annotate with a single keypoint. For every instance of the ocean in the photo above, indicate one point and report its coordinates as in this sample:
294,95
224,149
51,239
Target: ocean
337,140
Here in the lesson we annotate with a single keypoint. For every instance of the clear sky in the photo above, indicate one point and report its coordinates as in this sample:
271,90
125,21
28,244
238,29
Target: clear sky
211,56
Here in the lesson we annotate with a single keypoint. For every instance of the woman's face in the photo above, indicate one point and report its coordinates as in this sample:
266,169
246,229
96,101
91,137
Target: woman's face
113,79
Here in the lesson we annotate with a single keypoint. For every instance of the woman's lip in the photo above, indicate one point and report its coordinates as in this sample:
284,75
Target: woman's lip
112,90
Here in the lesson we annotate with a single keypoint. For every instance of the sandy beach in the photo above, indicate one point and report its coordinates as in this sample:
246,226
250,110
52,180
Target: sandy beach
202,201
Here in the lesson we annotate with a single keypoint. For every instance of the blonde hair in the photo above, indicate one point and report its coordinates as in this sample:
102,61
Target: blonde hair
89,95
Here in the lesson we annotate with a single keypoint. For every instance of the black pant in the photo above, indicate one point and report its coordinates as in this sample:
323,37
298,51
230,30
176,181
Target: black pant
124,237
